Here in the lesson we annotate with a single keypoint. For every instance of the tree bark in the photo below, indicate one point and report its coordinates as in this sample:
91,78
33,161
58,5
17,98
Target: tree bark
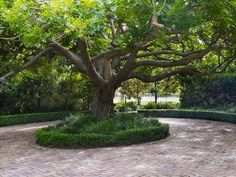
103,106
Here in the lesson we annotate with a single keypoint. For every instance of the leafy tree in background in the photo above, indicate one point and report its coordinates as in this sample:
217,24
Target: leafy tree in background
112,41
47,88
74,92
169,86
165,87
133,88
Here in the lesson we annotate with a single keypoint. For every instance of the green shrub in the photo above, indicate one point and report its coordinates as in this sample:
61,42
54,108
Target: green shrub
101,127
122,129
161,105
140,135
208,92
30,118
75,123
86,123
124,107
193,114
63,140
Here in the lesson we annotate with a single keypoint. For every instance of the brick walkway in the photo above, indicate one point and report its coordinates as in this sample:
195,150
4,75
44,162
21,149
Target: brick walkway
195,148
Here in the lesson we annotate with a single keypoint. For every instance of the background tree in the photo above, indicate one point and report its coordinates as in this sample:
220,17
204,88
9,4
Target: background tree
165,87
133,88
74,92
117,40
169,86
43,89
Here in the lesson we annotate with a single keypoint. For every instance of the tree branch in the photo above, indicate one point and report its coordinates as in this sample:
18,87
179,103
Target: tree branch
162,52
186,60
10,38
67,54
162,7
162,64
107,55
224,65
196,55
161,76
26,65
91,71
113,31
156,27
133,64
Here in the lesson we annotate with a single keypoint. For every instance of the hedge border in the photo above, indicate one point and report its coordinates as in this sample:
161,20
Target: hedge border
31,118
191,114
46,137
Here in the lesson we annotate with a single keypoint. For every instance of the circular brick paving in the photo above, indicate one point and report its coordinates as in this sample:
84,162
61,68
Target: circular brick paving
195,148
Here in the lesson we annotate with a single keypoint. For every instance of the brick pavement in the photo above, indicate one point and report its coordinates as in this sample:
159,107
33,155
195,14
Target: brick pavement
196,148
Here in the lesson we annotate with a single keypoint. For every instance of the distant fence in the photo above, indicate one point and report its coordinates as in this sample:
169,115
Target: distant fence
149,98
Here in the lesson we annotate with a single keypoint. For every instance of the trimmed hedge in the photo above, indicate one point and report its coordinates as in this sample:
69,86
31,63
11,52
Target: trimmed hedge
31,118
192,114
162,105
134,136
49,138
63,140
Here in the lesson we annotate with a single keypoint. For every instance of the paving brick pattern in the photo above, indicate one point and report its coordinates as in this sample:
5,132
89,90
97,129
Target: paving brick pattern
195,148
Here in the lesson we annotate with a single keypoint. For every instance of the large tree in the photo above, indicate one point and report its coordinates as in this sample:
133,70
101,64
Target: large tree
112,41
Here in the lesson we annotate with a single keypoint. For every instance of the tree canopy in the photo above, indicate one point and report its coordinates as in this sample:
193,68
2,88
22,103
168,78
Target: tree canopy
112,41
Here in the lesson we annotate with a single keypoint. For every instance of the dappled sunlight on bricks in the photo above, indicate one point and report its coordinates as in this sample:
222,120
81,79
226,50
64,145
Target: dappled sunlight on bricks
195,148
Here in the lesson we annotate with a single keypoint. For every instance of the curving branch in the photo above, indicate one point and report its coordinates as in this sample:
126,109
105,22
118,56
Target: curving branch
223,66
197,55
131,65
67,54
162,52
107,55
163,75
26,65
164,64
16,38
182,54
91,71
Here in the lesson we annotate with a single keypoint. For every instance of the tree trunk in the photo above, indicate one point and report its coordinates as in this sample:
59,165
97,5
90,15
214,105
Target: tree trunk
155,84
139,101
103,102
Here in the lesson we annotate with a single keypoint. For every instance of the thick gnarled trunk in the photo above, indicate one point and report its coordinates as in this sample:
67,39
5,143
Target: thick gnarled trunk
103,102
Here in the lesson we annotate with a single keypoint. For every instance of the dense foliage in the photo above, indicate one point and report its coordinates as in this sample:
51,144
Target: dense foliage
84,130
46,89
209,92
